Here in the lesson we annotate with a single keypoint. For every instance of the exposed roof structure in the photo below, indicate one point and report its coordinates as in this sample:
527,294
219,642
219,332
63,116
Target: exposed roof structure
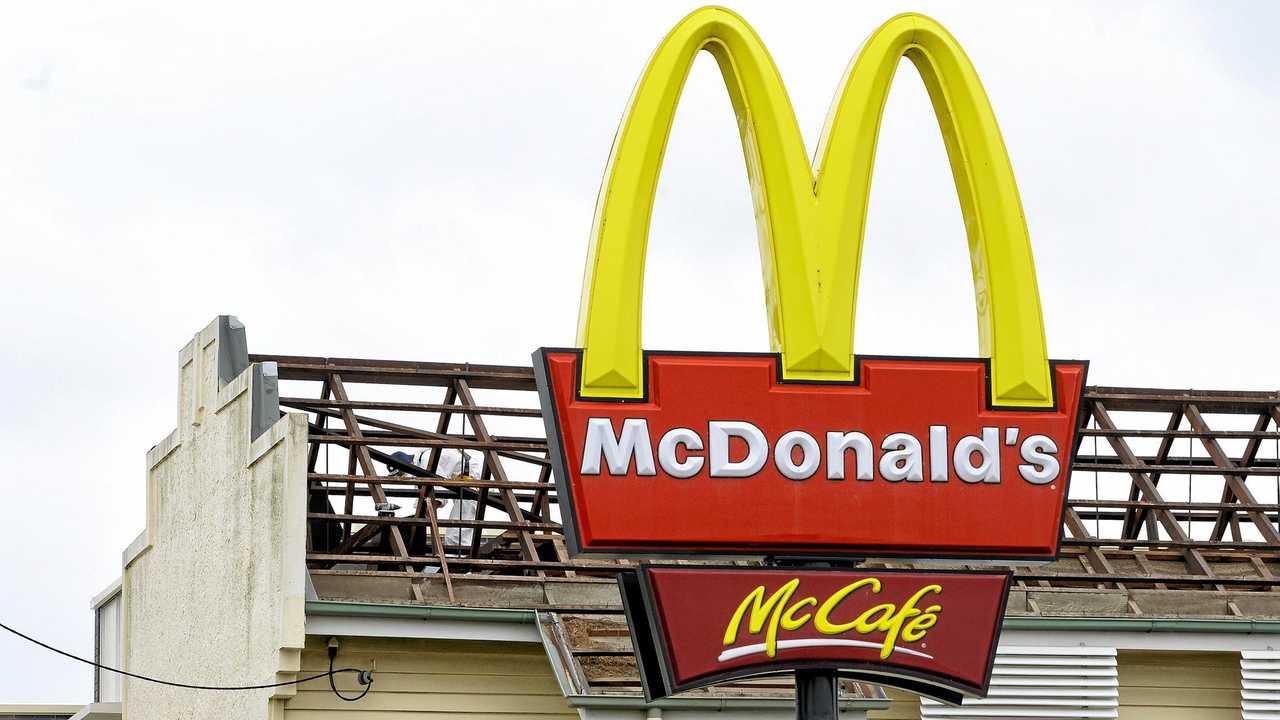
1172,510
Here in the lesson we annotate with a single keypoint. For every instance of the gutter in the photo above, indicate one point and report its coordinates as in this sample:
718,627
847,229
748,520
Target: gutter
619,702
530,617
1148,625
420,612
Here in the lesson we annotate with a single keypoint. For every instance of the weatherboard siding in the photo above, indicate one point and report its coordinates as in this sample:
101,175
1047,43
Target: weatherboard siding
1152,686
1179,685
432,678
902,706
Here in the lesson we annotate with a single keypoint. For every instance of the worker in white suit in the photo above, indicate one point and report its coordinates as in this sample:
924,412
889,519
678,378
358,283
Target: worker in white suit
452,465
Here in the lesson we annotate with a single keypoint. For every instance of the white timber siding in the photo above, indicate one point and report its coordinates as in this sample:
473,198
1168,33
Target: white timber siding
472,680
1045,682
1260,685
1124,684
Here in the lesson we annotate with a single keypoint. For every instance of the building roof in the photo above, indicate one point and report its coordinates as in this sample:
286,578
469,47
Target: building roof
1171,514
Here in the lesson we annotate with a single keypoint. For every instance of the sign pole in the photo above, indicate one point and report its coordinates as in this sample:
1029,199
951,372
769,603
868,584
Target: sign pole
817,695
817,691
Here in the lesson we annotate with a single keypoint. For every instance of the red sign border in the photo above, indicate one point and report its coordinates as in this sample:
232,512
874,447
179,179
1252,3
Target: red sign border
653,659
568,513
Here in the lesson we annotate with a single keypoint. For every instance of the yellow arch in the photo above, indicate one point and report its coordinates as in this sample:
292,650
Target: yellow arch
811,224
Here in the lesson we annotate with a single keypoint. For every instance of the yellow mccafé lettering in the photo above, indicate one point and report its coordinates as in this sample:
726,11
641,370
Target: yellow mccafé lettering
907,622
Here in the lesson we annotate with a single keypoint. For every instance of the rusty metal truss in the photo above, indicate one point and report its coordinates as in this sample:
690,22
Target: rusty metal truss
1171,489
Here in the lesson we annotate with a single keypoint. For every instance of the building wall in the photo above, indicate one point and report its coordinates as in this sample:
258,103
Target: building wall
107,649
213,591
431,679
902,706
1166,685
1179,685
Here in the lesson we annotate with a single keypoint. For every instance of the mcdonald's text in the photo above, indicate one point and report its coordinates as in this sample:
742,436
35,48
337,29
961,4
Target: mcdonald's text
798,455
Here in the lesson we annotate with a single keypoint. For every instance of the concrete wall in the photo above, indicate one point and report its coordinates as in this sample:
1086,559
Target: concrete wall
432,679
213,590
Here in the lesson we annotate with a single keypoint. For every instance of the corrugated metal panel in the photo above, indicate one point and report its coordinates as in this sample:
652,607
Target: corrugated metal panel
1260,685
1043,682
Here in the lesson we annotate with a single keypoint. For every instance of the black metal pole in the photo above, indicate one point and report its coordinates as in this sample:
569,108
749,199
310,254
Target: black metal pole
817,695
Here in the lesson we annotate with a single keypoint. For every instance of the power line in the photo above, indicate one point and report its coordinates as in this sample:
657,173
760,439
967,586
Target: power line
364,677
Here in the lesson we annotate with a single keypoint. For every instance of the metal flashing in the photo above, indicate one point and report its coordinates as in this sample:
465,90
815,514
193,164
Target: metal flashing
264,398
106,595
233,349
621,702
419,612
1184,625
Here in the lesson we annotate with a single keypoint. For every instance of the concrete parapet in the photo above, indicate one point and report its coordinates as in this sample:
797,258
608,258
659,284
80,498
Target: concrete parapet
214,589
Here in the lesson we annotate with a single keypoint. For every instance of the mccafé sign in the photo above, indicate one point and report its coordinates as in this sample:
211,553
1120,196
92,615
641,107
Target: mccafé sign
810,450
697,626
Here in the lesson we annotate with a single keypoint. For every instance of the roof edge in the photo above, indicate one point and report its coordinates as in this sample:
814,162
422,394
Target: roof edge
710,703
420,612
1143,624
514,615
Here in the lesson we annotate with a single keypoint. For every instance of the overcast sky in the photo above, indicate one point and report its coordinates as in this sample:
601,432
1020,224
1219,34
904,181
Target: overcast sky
353,180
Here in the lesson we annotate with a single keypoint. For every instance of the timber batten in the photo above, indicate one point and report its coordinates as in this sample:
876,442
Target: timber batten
1130,536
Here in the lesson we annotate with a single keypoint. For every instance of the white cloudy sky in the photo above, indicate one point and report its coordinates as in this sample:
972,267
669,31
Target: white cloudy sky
161,163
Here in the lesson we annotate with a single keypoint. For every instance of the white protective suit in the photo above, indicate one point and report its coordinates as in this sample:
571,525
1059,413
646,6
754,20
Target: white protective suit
450,466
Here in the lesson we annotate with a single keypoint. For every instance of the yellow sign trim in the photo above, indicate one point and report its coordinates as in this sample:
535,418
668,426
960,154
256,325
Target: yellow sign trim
811,224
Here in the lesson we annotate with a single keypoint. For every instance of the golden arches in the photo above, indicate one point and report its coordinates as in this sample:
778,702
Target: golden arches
811,224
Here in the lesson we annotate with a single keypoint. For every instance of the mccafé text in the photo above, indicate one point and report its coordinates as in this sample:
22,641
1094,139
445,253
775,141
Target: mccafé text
909,622
740,449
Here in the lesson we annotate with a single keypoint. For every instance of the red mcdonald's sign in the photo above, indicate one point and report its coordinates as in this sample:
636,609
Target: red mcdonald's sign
810,451
811,448
722,456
